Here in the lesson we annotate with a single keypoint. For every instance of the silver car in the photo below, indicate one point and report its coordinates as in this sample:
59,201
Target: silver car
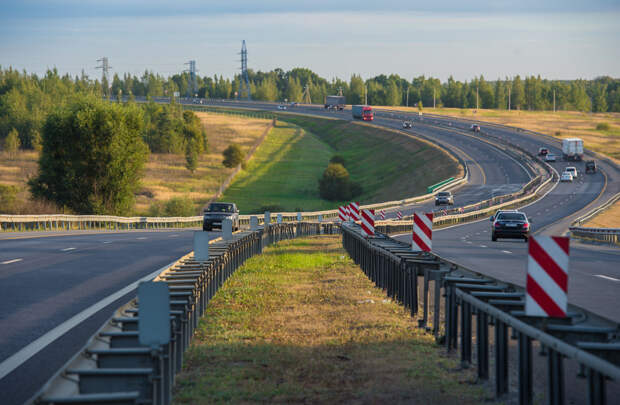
444,197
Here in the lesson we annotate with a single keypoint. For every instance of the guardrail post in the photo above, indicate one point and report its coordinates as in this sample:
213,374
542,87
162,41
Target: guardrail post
482,344
465,334
526,395
556,378
501,358
596,388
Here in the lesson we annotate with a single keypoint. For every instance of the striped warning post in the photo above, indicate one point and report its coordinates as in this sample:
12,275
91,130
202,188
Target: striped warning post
342,214
547,276
399,215
382,214
354,211
422,239
368,222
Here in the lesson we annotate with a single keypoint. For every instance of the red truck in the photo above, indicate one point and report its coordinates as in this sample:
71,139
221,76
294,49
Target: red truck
363,112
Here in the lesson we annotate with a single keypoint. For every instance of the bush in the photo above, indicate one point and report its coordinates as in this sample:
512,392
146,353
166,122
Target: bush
270,208
337,159
335,185
8,196
233,156
11,142
602,126
174,207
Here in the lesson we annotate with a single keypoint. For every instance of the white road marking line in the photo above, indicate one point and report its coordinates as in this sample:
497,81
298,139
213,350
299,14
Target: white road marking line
67,249
606,277
483,245
506,251
173,236
16,360
469,242
142,237
107,241
12,261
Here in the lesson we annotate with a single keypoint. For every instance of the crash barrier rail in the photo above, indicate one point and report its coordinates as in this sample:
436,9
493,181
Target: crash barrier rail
432,188
604,235
114,367
419,281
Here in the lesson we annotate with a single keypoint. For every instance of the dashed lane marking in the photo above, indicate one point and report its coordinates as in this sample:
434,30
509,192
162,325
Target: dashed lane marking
506,251
67,249
142,237
12,261
606,277
107,241
483,245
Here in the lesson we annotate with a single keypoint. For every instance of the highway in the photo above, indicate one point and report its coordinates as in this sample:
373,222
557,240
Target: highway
45,280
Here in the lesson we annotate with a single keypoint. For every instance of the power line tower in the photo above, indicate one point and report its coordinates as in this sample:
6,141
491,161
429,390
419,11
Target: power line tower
193,85
244,83
105,73
306,96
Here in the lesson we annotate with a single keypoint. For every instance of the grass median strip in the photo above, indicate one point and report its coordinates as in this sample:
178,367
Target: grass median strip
302,324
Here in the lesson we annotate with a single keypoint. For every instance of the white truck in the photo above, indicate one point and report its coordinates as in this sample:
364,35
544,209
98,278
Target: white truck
572,149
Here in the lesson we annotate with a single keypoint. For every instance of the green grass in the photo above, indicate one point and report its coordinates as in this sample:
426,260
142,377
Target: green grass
287,166
302,324
284,171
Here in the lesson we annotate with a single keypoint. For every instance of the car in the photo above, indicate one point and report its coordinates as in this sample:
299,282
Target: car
475,128
294,104
572,170
281,107
543,151
216,212
510,224
566,176
550,157
407,124
444,197
590,167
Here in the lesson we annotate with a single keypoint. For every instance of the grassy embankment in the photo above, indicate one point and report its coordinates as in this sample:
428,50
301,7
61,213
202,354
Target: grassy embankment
600,132
285,170
165,175
302,324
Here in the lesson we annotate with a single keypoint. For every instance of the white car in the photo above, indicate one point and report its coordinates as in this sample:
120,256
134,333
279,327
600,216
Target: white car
549,157
572,170
281,107
566,176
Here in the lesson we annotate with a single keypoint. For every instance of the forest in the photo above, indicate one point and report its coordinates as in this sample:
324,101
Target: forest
26,99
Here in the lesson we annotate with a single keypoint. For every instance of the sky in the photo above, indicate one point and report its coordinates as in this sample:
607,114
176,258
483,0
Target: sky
558,39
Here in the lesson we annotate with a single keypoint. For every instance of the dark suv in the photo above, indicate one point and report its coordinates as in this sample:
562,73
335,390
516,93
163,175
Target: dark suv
218,211
510,224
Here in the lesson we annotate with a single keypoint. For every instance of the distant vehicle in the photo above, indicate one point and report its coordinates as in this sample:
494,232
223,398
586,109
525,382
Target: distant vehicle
335,103
566,176
510,224
590,167
294,104
475,128
281,107
572,149
363,112
407,124
543,151
216,212
549,157
572,170
444,197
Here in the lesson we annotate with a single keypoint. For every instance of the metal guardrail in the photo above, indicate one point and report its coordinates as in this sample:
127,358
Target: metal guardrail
604,235
114,368
460,306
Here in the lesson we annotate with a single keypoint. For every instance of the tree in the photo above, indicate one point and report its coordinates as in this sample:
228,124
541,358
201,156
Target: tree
294,91
518,93
393,96
500,95
191,156
233,155
599,101
335,183
11,142
92,157
420,106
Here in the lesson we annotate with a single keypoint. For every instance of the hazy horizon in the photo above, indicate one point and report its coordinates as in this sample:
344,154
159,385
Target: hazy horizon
558,40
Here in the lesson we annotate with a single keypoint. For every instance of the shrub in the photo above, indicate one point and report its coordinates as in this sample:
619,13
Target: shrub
8,196
174,207
270,208
11,142
337,159
602,126
233,155
335,185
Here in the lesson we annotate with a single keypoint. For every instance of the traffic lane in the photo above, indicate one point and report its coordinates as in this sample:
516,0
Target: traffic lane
38,295
30,247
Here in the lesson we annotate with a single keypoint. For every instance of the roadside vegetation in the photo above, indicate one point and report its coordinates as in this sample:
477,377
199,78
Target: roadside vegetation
302,324
285,171
609,218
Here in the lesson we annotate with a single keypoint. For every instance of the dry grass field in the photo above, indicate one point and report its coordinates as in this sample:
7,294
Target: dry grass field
165,175
608,219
